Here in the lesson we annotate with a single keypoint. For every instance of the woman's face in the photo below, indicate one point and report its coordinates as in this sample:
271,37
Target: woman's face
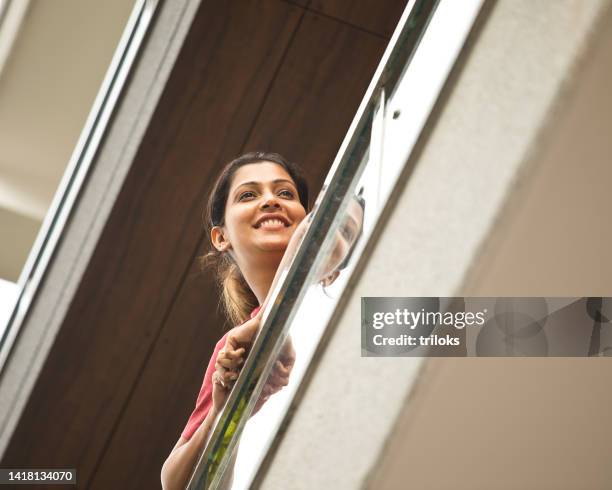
262,211
346,235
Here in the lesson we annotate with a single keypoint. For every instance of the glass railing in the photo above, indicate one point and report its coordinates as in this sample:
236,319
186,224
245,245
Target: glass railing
75,174
325,249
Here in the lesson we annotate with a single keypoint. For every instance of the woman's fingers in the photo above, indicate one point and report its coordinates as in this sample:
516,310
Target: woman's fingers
232,344
278,381
218,379
279,377
226,363
235,355
270,389
245,333
230,352
281,369
267,391
280,374
225,379
230,357
230,376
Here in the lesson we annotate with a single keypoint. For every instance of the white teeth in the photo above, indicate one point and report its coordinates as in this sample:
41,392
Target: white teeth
271,222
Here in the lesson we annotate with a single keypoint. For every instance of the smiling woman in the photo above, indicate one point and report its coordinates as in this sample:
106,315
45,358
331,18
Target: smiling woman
255,207
256,221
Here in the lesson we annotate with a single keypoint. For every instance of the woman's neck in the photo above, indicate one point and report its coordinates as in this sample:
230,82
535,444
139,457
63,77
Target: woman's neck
260,275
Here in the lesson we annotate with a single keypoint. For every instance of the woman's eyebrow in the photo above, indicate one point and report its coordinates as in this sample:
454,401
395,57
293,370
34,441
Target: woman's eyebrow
275,181
352,222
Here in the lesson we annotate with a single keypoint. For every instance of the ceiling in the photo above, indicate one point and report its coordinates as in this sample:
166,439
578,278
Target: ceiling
56,56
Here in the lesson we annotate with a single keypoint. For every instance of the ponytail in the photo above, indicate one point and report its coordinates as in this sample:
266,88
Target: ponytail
236,296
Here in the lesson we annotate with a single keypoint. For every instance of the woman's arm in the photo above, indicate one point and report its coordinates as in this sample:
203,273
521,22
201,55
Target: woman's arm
179,465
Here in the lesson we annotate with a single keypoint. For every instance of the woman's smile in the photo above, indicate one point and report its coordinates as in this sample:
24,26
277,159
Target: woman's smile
272,222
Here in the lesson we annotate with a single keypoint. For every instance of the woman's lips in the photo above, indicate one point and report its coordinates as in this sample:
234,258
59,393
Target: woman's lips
271,224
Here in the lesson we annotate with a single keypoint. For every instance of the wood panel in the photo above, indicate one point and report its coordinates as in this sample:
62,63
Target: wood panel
123,374
377,16
316,94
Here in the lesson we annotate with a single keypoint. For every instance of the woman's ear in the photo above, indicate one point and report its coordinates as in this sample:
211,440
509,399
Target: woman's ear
218,239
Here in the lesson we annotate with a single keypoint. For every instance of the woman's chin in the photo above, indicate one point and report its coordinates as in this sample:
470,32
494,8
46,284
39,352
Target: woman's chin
271,244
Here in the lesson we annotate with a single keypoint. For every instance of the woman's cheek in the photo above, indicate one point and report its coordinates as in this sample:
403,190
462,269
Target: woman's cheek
336,254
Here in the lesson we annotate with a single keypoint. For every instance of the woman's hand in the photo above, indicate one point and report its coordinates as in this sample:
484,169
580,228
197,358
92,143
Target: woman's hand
228,364
279,377
244,335
231,359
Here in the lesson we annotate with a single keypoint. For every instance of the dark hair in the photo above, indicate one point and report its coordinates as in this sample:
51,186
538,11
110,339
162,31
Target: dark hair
237,297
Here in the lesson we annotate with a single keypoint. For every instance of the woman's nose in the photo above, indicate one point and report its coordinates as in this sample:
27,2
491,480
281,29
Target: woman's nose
270,200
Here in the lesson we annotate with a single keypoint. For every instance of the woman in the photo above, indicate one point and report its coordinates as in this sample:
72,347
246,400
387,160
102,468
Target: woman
257,204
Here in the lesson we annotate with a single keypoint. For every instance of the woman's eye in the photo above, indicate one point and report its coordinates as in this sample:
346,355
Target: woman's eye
347,233
286,193
246,195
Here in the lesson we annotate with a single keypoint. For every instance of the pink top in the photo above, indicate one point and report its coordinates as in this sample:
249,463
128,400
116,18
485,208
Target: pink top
204,401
